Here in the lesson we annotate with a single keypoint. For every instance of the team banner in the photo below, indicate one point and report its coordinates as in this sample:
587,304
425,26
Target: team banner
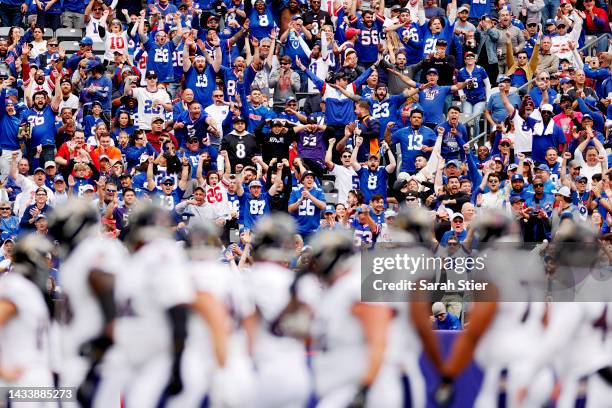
508,272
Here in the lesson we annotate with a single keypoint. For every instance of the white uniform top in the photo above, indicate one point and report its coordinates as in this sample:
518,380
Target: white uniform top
576,338
24,339
346,180
226,286
115,42
518,323
154,281
92,30
342,350
146,110
269,284
84,320
218,113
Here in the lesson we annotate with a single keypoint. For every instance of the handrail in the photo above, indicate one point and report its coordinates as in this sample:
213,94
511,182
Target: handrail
479,116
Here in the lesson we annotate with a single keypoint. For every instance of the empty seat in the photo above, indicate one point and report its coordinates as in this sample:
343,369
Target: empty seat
70,46
69,34
48,33
331,198
4,31
234,237
98,48
328,186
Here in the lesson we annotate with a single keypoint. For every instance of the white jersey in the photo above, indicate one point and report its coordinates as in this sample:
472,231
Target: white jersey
579,330
518,323
346,180
320,67
275,356
92,29
147,109
217,198
83,318
218,113
201,374
24,339
154,281
341,356
115,42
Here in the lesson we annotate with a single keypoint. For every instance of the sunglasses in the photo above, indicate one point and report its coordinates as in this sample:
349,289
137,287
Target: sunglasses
168,184
505,145
346,156
52,45
111,191
285,63
538,185
5,209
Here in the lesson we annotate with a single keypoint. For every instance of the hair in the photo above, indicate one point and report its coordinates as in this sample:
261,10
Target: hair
364,105
376,197
493,175
359,195
116,120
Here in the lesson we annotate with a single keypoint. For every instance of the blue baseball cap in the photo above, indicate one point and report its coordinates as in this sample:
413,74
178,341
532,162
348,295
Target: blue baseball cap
587,116
330,209
543,167
503,78
455,163
564,80
86,41
517,177
550,21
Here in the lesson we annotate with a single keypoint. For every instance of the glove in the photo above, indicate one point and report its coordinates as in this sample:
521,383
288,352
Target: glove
95,348
444,393
175,384
359,400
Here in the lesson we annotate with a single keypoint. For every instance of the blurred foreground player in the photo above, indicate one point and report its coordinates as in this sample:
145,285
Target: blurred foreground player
25,312
284,304
91,261
216,363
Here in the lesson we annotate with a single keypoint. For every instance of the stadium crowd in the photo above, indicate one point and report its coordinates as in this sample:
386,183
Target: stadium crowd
195,107
342,115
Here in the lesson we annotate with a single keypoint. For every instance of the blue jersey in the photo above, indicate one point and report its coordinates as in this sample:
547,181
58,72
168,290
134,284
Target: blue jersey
230,80
177,61
430,39
235,202
261,24
169,201
411,141
103,92
89,125
363,236
476,92
432,100
254,208
479,8
372,182
308,215
42,125
202,84
293,48
369,39
197,128
160,60
386,110
410,36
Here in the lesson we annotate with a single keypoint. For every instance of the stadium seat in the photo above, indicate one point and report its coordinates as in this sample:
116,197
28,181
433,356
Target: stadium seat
328,186
234,237
4,31
70,46
48,33
98,48
331,198
69,34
